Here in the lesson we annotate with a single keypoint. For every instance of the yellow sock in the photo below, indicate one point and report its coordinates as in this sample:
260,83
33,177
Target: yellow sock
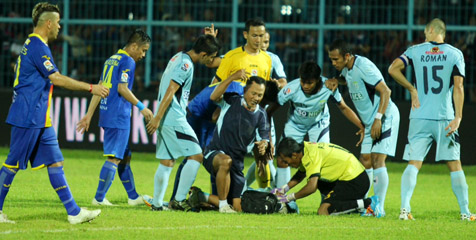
263,179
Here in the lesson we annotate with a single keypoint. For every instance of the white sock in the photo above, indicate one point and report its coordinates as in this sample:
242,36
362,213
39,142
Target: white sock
222,203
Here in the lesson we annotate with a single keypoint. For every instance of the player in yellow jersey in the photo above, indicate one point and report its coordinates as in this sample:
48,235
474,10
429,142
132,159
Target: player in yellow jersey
333,170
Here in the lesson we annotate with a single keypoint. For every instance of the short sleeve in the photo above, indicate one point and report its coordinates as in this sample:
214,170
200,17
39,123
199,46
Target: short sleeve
127,71
459,65
182,72
286,94
277,67
43,60
370,73
223,71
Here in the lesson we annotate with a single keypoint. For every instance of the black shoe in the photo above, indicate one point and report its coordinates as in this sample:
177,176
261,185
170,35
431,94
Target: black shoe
180,206
196,197
161,208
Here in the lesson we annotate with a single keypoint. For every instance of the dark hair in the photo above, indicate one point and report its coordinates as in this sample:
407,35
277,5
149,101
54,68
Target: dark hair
256,79
288,146
206,43
309,70
254,22
342,46
139,37
41,8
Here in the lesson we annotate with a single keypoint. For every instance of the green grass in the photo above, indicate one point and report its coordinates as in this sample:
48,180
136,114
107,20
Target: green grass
39,213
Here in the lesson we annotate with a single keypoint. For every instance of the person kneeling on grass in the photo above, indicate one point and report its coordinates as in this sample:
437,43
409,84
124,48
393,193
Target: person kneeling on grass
342,178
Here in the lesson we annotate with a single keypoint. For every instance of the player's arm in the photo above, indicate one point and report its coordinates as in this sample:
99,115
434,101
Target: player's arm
395,70
126,93
458,100
220,89
164,105
385,92
215,62
66,82
296,179
353,118
307,190
83,124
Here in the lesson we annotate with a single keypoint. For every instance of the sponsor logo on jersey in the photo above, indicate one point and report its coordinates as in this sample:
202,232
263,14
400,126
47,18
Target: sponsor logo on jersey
287,91
185,67
254,72
48,65
46,57
434,50
124,77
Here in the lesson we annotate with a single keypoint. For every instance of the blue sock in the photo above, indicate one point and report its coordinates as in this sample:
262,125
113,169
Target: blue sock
381,184
370,173
106,176
409,179
272,171
250,175
460,189
177,178
189,172
283,175
59,184
161,180
127,179
6,179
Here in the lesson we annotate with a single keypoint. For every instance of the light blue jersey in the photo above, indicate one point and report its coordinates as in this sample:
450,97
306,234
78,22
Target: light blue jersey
434,66
305,109
361,81
277,68
180,70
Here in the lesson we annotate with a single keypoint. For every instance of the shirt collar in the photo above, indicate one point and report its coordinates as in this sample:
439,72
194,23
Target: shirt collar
38,36
123,52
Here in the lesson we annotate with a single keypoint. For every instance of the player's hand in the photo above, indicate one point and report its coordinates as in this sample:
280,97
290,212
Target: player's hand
270,153
147,114
240,75
100,90
332,83
262,145
282,198
361,132
211,30
152,125
376,129
280,191
415,101
453,126
83,124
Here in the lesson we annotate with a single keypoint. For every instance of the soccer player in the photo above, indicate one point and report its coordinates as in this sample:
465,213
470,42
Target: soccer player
343,175
240,116
175,137
439,74
115,117
32,137
309,113
379,114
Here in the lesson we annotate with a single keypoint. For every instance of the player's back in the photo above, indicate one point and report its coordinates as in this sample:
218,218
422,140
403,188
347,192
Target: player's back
331,161
434,66
179,70
115,110
32,88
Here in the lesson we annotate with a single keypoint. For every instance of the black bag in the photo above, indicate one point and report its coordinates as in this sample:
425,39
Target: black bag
259,202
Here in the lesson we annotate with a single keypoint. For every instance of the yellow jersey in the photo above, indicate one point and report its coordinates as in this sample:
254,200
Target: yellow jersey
329,162
236,59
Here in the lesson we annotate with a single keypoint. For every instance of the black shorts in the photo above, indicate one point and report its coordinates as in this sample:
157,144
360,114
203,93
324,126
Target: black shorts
348,190
237,179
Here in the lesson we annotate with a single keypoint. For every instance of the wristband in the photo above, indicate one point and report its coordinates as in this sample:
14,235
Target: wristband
90,88
378,116
290,197
140,105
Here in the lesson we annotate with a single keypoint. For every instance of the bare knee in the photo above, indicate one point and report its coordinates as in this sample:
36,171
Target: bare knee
378,160
454,166
114,160
197,157
366,160
323,209
167,162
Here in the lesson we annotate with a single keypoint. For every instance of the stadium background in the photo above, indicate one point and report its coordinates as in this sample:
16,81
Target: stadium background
92,30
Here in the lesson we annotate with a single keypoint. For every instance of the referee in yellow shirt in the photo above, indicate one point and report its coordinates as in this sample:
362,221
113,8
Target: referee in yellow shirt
333,170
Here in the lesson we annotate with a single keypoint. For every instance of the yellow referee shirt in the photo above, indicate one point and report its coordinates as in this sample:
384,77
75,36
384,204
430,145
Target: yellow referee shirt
329,162
236,59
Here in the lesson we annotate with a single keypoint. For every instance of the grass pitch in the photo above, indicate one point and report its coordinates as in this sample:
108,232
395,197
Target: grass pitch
39,214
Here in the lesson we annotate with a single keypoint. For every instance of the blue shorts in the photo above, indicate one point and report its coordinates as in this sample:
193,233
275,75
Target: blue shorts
387,144
116,143
423,132
318,132
237,178
176,141
38,145
203,128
